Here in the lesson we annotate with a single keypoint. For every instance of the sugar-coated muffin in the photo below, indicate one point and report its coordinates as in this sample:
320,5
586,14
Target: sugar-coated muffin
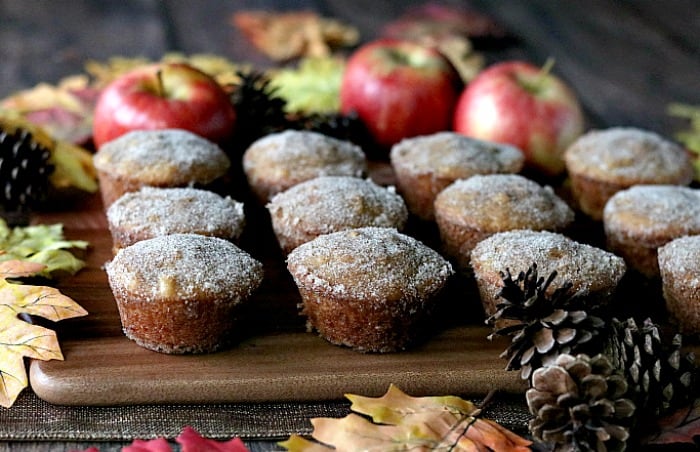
152,211
157,158
679,264
425,165
278,161
469,210
640,219
371,289
330,204
593,272
181,293
601,163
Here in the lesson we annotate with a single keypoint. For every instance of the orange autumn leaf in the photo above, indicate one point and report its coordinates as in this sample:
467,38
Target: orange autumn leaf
398,421
19,339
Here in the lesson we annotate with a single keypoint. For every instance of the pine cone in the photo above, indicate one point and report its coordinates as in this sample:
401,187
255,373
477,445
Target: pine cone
259,110
24,171
544,323
347,127
660,375
579,404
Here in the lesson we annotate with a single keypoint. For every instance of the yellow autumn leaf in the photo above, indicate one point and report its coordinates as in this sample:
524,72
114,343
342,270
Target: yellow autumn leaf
296,443
399,422
19,339
395,406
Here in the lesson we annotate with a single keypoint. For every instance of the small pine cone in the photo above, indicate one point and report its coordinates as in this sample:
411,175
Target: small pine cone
579,405
543,323
660,375
347,127
24,171
260,111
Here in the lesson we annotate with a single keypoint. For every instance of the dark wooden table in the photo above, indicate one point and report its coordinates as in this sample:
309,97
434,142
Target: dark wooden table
627,60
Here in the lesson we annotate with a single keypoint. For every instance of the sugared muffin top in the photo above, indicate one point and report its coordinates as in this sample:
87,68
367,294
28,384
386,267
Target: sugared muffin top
629,156
455,156
170,157
333,203
282,160
499,202
151,212
374,264
681,257
589,269
653,212
184,267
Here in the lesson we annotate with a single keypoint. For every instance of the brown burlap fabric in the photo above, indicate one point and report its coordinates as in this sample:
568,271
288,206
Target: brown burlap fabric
30,418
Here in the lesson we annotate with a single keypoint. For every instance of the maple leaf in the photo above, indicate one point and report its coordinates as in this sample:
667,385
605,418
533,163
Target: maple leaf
680,427
402,422
19,339
191,441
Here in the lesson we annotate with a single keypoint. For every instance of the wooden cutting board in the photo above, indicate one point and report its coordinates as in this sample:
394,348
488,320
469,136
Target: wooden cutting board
276,359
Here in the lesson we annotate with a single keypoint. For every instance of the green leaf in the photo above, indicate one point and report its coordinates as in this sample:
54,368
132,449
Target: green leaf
42,244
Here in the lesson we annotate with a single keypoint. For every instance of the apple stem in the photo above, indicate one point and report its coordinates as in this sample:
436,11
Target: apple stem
544,72
159,86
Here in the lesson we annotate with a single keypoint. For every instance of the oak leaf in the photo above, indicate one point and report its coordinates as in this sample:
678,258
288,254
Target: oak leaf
402,422
19,339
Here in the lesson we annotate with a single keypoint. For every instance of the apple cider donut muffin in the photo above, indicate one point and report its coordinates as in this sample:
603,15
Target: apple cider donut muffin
601,163
152,211
333,203
425,165
181,293
469,210
157,158
281,160
679,264
371,289
640,219
593,272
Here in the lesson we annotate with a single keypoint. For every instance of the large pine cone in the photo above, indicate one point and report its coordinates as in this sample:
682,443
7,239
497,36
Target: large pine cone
579,405
660,375
543,323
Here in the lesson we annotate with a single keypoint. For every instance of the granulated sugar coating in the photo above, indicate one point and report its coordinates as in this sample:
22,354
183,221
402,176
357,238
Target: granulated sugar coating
377,264
169,157
627,155
425,165
591,270
184,267
449,154
679,264
152,212
499,202
333,203
653,212
371,289
281,160
182,293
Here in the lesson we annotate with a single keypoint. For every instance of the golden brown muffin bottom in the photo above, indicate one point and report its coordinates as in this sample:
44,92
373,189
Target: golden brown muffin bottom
195,328
458,241
682,301
363,325
638,255
592,194
420,190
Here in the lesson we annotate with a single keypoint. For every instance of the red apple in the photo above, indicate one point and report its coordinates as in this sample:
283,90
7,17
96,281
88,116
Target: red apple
162,96
399,89
517,103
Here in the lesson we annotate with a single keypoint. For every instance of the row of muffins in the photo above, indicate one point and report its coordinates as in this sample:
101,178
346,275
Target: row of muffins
276,175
